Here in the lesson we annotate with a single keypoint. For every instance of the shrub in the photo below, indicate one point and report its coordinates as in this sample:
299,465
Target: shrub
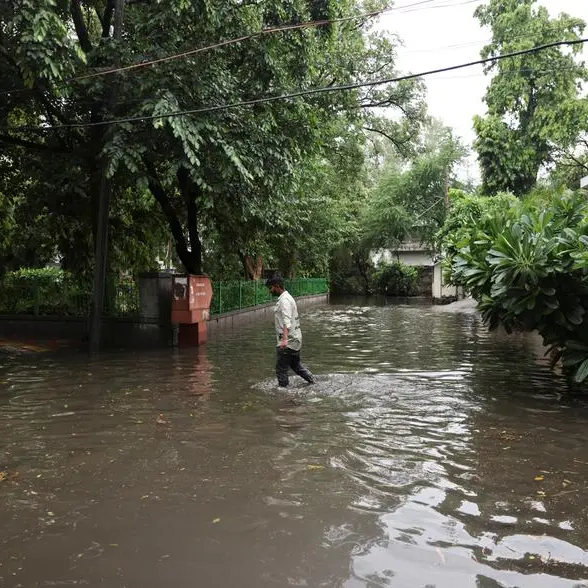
397,279
42,291
527,266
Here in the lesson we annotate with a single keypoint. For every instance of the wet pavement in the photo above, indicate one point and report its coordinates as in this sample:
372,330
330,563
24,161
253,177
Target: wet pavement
429,454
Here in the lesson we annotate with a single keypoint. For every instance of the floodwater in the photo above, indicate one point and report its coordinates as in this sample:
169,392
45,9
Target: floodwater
429,454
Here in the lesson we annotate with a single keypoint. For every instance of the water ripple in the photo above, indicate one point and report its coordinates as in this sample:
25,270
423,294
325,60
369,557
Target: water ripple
429,453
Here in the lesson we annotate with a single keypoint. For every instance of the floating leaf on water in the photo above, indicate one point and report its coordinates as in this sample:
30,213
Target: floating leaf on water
315,467
215,521
3,476
539,478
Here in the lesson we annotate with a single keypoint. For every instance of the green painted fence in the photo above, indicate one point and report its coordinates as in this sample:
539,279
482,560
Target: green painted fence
57,293
238,295
53,292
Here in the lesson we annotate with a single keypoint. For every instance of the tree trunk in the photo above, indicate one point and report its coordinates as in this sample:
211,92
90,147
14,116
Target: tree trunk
190,191
362,267
191,260
253,266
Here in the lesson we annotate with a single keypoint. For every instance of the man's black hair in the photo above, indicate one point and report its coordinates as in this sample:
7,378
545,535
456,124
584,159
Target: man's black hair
275,281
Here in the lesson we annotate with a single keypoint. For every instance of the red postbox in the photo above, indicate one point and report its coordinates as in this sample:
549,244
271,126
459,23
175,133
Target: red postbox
191,298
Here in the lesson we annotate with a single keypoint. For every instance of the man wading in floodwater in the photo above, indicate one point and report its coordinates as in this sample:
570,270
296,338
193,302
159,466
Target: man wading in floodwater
288,334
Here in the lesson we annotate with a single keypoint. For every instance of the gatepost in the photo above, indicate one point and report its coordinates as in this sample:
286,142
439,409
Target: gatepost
191,298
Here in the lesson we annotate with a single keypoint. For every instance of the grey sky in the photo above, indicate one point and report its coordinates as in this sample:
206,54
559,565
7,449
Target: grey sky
447,35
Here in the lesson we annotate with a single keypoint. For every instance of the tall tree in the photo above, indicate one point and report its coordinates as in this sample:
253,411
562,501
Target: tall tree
410,197
534,100
207,170
572,164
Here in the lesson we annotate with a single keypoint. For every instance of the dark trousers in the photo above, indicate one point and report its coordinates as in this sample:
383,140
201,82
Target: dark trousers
288,358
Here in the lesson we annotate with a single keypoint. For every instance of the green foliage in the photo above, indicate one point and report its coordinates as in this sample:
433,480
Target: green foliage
468,210
571,165
396,279
351,270
329,192
235,295
409,197
53,291
44,291
535,108
400,198
138,232
527,266
240,182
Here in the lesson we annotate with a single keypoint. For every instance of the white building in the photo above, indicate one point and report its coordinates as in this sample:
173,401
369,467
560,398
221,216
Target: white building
417,254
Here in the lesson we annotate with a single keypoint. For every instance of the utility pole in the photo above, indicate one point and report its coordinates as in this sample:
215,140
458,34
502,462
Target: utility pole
101,245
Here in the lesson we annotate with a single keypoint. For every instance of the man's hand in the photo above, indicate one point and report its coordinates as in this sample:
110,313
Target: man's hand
284,338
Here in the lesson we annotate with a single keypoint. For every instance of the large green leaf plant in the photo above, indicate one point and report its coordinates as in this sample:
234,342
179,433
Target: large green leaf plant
527,266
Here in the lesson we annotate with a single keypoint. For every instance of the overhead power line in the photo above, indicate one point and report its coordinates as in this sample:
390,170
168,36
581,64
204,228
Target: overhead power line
413,7
504,72
509,72
227,42
308,92
486,41
451,5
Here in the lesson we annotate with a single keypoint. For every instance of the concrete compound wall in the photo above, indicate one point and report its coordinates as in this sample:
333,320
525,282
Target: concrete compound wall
73,331
128,332
234,319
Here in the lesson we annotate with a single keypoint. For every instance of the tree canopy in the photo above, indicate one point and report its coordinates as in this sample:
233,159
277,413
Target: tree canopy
535,104
223,170
410,195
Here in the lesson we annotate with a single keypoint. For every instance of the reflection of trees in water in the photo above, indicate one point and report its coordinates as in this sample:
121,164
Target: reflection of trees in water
256,464
413,439
350,474
520,433
490,367
527,492
472,488
390,338
312,496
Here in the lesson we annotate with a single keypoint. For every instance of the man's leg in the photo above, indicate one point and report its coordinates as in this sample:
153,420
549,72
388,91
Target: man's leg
282,365
300,368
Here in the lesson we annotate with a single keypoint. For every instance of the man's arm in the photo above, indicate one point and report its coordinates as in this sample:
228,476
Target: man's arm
284,337
287,320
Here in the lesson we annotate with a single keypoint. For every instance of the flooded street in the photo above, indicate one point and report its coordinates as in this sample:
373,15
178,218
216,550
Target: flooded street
430,453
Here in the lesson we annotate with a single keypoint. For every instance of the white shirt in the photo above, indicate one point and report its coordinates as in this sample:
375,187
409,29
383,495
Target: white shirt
286,315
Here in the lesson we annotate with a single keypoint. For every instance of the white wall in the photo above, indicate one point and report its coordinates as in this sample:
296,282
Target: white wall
416,257
440,289
422,258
